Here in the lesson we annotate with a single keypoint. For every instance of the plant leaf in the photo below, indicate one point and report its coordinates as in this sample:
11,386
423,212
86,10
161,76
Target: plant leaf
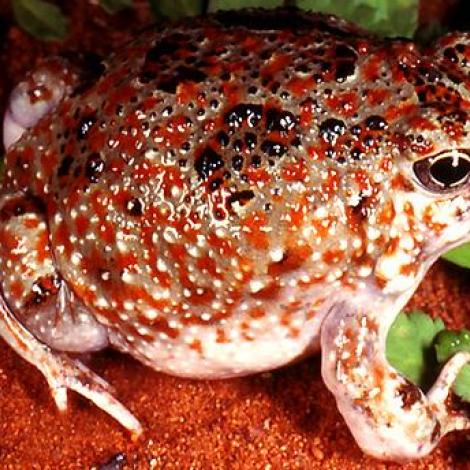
215,5
447,344
384,17
114,6
462,383
409,347
41,19
459,256
450,342
175,9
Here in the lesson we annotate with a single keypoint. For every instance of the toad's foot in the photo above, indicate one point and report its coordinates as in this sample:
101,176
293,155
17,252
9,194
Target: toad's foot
44,88
34,97
39,314
389,417
62,372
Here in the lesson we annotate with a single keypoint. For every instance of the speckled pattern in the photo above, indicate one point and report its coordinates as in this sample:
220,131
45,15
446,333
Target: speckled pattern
227,158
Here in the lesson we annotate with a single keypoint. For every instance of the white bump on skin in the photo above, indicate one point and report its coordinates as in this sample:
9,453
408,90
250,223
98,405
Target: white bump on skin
101,302
256,285
76,258
406,242
276,254
170,235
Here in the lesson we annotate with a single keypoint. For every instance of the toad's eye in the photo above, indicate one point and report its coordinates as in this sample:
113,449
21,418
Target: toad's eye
444,172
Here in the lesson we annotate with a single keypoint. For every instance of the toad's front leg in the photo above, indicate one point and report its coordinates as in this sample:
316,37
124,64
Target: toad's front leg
40,317
389,417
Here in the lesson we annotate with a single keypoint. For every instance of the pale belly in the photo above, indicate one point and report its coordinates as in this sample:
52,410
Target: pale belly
273,346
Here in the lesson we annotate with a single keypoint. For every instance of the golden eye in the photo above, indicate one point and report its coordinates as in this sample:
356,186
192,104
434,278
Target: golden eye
444,172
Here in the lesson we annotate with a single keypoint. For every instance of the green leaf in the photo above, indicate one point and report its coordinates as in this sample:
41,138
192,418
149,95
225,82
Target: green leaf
450,342
409,347
175,9
114,6
40,19
447,344
459,256
215,5
384,17
462,383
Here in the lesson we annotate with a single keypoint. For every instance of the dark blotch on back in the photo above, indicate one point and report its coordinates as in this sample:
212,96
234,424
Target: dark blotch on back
242,197
376,123
94,167
273,149
251,113
64,166
332,128
279,120
84,126
208,162
135,207
343,51
344,69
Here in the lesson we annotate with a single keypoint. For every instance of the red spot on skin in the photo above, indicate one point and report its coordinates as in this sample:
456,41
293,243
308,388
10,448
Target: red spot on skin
127,261
307,111
222,246
253,226
31,223
196,345
96,139
295,172
314,154
16,289
107,232
270,292
277,63
82,224
376,96
299,86
386,214
49,161
402,109
400,183
201,298
344,104
256,175
160,324
221,336
61,236
172,132
207,264
330,187
371,68
333,256
421,123
293,259
42,247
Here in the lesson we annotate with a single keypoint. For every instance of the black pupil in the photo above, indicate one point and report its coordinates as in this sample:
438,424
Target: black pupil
447,173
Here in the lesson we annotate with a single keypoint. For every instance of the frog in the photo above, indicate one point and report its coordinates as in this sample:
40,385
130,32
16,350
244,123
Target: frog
229,194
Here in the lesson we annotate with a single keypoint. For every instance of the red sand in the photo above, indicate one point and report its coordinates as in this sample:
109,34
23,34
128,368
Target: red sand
284,419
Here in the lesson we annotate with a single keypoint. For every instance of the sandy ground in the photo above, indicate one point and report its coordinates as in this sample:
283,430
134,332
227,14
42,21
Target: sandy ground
284,419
